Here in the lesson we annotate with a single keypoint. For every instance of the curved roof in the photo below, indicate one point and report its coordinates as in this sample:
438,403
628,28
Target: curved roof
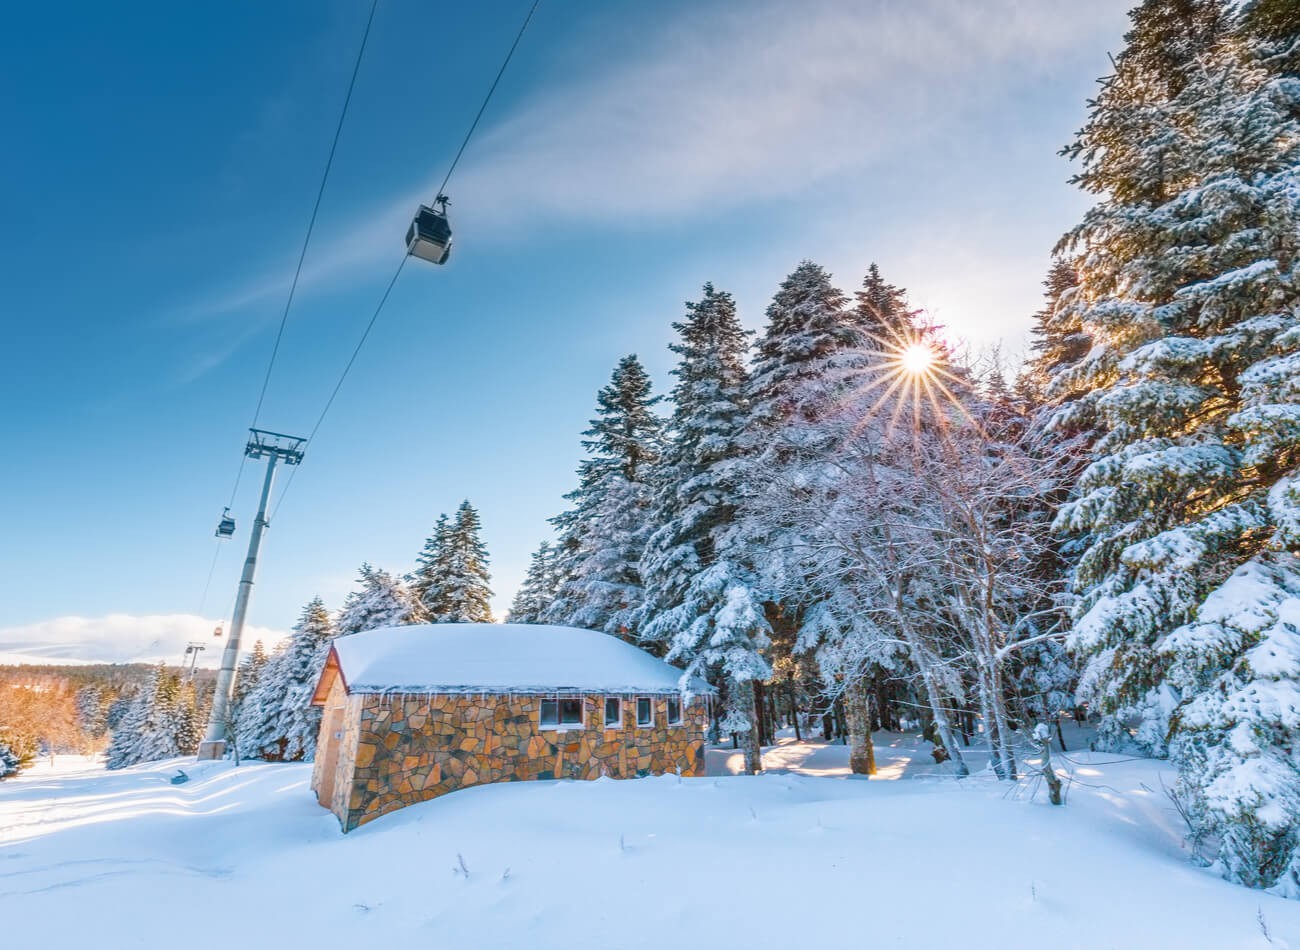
498,658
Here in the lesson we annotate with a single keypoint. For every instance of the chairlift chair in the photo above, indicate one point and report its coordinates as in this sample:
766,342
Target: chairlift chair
429,237
226,526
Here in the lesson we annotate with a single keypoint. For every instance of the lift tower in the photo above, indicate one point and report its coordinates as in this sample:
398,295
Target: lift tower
273,447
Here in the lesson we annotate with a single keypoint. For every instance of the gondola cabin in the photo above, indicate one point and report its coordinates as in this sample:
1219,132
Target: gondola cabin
429,237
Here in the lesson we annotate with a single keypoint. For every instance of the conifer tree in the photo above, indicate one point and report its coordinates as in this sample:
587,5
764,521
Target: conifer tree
162,722
382,600
279,722
431,570
467,596
451,581
812,352
92,711
701,601
603,535
1188,290
883,314
250,671
125,747
538,589
1059,341
10,764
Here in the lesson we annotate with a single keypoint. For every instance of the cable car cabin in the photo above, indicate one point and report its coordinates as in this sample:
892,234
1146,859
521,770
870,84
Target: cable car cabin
429,237
226,526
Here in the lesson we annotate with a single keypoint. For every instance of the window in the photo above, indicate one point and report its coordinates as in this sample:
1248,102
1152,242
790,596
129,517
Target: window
645,711
561,713
613,712
674,711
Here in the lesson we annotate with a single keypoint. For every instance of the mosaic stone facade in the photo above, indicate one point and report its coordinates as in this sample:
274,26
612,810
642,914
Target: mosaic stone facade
391,751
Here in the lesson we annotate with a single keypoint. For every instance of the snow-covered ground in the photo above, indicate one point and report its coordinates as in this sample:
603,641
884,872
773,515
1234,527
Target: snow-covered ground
800,857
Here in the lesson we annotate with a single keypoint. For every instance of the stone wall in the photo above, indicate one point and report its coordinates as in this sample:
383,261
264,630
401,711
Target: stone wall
410,749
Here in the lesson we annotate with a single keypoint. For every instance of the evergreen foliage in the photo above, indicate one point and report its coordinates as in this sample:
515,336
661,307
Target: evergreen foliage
603,534
92,711
276,718
451,579
163,721
382,600
1059,340
810,357
539,587
432,567
883,314
701,599
10,763
1187,290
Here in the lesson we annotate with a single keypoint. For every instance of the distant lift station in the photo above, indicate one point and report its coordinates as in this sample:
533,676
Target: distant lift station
274,447
429,237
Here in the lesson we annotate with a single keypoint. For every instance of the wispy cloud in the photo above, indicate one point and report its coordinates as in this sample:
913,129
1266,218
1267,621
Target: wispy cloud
118,638
726,106
750,102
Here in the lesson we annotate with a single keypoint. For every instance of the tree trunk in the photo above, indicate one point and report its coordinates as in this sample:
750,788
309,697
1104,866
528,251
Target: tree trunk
794,711
882,717
745,700
862,753
1044,736
942,725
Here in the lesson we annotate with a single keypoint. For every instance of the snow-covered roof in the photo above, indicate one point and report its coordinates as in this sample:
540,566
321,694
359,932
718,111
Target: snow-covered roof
498,658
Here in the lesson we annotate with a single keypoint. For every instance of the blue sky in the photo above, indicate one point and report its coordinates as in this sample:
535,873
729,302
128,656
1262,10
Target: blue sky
161,161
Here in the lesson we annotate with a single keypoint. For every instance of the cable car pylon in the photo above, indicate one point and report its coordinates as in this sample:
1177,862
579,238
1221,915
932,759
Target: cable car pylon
274,447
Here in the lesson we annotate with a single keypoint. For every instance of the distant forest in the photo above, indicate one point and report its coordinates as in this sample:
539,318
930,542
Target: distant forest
51,709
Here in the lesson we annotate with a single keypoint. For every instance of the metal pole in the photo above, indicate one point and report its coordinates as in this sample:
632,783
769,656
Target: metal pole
213,745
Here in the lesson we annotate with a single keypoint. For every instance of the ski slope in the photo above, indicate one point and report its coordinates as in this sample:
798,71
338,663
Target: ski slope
787,859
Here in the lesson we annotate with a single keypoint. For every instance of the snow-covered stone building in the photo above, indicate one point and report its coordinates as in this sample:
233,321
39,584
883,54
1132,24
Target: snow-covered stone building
417,711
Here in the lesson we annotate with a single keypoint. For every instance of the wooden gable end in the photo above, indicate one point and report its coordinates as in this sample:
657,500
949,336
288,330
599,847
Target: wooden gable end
328,675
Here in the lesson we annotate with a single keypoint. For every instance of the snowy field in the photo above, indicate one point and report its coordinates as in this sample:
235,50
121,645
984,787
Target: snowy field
802,856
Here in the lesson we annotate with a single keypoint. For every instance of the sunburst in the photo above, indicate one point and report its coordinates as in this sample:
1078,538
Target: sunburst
909,369
917,359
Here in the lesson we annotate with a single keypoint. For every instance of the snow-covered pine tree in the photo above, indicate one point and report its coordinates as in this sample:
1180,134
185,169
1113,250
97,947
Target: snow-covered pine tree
431,568
466,596
279,723
382,600
179,722
1046,675
10,763
603,535
1188,288
92,711
1059,340
125,748
538,589
250,671
810,356
700,599
162,722
883,314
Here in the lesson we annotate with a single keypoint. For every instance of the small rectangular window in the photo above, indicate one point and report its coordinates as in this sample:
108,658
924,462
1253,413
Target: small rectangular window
674,711
570,712
645,712
613,712
561,712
